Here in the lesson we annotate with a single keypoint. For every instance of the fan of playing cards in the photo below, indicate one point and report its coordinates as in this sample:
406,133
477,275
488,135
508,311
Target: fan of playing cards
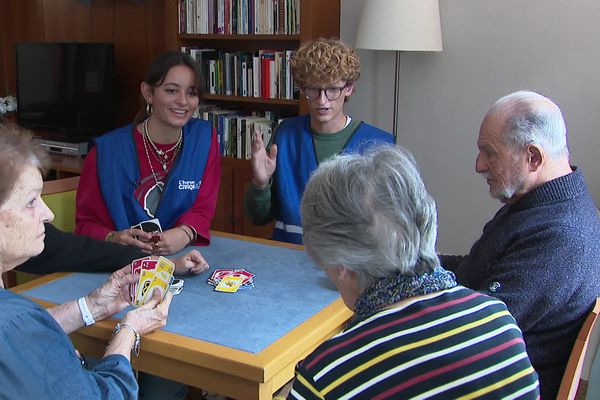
154,274
230,280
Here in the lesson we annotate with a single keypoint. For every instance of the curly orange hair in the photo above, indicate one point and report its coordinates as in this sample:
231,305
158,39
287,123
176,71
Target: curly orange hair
324,61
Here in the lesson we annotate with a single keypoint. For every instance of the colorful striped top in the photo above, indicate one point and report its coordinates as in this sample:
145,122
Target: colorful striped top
453,344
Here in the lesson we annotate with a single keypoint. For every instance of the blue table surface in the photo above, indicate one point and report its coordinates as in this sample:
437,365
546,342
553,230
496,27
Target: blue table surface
288,290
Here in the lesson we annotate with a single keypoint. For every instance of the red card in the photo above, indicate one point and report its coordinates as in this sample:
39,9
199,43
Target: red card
136,268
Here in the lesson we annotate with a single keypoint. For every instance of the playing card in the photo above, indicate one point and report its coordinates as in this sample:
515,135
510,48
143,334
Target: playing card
244,274
151,225
136,267
229,283
146,277
165,267
157,283
218,274
176,286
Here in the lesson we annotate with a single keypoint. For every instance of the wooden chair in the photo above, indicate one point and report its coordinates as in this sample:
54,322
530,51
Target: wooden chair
59,195
577,374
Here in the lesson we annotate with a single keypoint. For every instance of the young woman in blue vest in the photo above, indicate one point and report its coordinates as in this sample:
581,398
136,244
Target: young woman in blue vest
325,71
164,165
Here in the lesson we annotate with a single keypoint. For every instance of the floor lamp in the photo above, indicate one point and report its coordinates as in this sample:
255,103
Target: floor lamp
399,25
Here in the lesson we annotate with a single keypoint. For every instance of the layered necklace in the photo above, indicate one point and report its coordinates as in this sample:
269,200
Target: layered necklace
164,157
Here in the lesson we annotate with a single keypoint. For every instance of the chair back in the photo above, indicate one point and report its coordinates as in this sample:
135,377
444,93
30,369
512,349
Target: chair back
59,195
577,373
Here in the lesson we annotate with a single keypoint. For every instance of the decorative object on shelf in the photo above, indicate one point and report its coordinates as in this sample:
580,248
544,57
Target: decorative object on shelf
8,105
400,25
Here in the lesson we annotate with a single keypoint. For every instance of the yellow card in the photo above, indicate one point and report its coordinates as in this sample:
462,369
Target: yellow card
165,268
157,283
164,264
230,283
143,285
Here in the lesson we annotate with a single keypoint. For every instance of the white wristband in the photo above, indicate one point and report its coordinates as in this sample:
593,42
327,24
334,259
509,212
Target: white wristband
85,312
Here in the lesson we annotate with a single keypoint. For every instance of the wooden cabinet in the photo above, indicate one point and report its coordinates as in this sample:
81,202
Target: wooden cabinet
236,177
318,18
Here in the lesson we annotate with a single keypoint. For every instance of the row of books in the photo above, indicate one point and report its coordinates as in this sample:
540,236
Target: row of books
235,129
241,17
264,73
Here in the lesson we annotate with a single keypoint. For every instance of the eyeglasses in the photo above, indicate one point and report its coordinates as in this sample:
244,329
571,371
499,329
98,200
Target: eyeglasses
332,93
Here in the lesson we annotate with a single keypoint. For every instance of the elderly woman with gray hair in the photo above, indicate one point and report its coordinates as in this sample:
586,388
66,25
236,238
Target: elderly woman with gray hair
37,359
371,225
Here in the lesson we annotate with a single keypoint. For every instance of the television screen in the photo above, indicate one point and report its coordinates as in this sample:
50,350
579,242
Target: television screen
67,88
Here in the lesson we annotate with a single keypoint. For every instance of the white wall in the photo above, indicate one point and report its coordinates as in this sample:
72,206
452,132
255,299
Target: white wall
491,48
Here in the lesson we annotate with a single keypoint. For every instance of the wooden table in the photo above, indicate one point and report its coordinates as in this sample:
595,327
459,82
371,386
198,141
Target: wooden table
221,368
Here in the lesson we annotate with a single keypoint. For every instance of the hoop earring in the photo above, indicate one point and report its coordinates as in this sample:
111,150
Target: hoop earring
148,109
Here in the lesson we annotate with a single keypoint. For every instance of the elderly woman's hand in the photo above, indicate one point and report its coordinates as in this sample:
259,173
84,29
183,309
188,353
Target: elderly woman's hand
191,262
113,295
150,316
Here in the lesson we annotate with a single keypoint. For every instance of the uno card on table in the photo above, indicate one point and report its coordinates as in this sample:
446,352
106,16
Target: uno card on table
229,283
231,279
154,274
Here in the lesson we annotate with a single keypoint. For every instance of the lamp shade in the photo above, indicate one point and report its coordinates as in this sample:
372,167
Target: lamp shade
408,25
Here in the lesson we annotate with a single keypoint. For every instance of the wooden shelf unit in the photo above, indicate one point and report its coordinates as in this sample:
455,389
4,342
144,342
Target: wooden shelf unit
318,18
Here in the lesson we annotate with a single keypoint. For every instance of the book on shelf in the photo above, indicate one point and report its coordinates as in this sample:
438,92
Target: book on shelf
244,77
261,17
256,79
235,128
265,73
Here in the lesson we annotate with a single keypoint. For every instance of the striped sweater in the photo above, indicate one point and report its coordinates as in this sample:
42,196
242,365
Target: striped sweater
451,344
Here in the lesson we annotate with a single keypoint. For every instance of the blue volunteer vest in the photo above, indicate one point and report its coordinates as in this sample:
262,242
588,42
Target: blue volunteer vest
119,173
296,160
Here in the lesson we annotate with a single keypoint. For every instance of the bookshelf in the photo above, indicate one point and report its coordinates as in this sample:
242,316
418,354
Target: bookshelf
318,18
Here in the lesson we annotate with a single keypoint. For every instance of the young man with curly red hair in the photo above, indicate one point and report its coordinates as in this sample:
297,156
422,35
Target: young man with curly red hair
325,70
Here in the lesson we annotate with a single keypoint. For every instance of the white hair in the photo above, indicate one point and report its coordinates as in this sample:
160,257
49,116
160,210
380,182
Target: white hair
532,119
370,213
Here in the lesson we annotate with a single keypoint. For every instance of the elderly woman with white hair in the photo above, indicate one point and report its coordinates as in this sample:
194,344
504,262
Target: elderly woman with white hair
37,359
371,225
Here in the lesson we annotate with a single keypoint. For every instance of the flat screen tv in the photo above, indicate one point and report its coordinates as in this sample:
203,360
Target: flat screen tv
66,88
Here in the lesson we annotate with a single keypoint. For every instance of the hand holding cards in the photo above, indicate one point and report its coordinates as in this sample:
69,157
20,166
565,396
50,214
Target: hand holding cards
154,275
150,226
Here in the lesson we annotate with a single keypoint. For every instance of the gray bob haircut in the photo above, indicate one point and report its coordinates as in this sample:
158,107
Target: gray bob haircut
17,149
370,213
532,119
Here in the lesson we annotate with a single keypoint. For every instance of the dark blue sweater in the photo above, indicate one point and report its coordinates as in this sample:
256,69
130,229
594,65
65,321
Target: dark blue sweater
541,256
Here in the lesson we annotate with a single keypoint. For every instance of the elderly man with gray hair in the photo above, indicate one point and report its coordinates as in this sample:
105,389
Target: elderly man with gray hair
371,225
540,254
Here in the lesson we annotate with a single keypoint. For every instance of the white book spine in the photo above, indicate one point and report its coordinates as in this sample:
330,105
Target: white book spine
256,78
244,78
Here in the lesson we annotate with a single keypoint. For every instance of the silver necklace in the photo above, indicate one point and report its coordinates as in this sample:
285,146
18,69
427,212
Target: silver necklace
162,153
161,156
160,185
